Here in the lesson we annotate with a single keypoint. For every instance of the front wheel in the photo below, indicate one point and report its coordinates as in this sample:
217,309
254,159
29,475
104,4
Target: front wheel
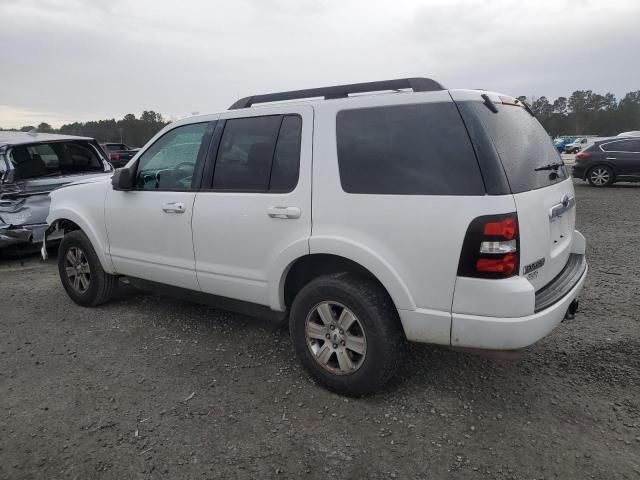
346,333
600,176
81,273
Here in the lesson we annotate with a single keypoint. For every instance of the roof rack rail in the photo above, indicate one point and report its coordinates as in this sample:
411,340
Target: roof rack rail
342,91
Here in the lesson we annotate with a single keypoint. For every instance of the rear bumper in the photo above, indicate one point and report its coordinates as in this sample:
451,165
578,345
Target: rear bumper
578,172
22,234
512,333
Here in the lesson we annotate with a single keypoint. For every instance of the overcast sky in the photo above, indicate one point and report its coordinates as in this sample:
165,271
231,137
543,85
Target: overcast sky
73,60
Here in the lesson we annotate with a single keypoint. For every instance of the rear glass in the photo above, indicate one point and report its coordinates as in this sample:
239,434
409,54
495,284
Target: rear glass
522,144
420,149
54,159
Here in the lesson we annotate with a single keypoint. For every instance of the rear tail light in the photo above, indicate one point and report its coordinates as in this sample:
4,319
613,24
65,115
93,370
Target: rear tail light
582,155
491,247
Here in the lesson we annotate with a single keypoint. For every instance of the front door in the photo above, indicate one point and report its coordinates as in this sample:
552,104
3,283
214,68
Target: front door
253,215
149,228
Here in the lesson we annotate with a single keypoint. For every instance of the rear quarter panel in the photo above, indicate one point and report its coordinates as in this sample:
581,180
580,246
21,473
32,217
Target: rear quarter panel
411,243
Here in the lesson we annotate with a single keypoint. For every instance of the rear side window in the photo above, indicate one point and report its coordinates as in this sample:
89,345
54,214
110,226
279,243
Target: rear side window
622,146
420,149
54,159
286,161
521,143
259,154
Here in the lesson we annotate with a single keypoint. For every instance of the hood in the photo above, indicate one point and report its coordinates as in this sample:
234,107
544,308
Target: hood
45,185
27,202
100,178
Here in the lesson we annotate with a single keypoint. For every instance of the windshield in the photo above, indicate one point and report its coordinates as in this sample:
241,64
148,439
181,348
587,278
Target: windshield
54,159
522,144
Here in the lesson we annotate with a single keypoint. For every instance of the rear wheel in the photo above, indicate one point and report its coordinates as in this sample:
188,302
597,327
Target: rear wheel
81,273
600,176
346,332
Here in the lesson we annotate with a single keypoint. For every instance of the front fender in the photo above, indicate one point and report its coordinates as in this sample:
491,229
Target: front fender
84,205
100,246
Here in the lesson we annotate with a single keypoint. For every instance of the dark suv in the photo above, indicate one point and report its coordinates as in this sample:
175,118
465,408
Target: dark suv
608,161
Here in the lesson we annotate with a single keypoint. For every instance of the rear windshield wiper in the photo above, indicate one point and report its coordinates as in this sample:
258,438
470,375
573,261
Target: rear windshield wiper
488,103
551,166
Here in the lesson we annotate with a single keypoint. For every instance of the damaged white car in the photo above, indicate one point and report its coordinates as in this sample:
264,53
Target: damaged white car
31,166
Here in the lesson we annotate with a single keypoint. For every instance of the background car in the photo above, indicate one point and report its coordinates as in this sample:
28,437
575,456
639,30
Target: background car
31,166
607,161
119,153
579,143
562,142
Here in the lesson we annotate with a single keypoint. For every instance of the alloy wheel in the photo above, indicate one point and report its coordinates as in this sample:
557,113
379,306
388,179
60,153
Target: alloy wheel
77,269
335,338
600,176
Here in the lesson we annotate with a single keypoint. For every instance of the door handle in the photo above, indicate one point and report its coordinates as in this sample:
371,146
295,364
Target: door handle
173,207
284,212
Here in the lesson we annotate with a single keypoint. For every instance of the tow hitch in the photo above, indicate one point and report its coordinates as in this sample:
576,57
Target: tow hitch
571,311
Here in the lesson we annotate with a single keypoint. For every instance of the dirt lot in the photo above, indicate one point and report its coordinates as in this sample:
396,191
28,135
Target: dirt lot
151,387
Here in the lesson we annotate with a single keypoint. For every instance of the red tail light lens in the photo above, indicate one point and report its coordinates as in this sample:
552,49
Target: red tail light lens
491,247
506,228
582,155
506,265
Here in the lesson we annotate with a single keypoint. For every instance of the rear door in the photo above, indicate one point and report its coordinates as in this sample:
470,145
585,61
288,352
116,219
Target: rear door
253,215
625,155
540,184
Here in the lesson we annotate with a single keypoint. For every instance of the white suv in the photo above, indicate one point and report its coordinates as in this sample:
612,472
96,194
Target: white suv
411,212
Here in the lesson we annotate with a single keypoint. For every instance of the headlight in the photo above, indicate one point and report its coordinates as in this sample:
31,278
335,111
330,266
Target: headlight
16,218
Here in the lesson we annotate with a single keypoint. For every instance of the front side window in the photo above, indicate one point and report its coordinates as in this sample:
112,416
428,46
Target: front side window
169,164
54,159
420,149
259,154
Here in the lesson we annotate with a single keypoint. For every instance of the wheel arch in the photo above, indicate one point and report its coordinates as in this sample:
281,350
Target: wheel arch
70,220
353,259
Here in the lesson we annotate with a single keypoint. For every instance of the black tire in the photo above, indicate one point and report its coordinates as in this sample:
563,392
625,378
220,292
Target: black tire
377,321
99,287
596,174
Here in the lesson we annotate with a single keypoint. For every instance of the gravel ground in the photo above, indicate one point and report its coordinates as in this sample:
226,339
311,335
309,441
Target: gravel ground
152,387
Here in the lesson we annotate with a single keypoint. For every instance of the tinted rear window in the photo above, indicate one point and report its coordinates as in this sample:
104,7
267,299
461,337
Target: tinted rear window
622,146
54,159
420,149
521,143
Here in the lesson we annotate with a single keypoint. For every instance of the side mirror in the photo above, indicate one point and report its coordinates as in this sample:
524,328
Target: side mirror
122,179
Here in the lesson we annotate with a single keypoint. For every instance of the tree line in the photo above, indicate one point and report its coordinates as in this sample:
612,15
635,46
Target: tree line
583,113
132,131
587,113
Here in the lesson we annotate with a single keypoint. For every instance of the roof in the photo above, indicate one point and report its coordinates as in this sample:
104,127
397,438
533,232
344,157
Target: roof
21,138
